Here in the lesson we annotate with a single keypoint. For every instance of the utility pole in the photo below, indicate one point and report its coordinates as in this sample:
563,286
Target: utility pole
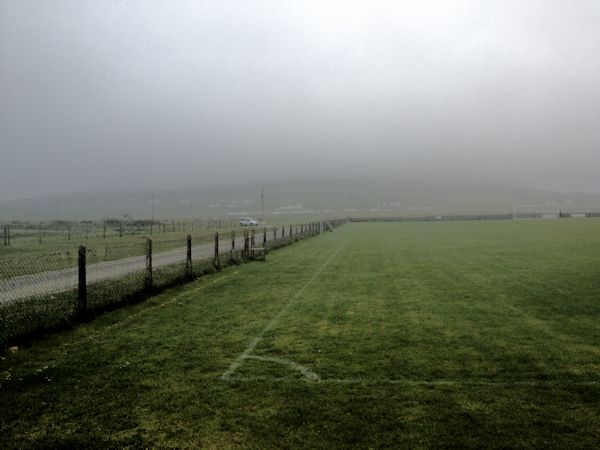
262,199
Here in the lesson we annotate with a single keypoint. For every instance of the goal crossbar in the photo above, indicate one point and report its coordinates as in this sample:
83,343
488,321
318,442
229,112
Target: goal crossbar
540,210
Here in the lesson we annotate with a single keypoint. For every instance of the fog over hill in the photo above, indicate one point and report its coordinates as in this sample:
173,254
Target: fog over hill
330,197
142,96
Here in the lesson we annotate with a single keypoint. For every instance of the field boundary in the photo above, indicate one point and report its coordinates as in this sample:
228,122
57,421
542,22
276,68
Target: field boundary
466,217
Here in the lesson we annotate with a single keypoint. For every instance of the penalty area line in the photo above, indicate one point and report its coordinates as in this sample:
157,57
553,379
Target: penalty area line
275,320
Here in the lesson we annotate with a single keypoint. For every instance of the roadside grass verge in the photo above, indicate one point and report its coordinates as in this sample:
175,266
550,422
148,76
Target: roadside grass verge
421,335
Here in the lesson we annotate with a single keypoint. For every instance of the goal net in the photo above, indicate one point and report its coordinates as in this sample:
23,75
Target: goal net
539,211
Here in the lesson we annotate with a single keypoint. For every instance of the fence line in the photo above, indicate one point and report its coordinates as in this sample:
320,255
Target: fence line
461,217
59,230
41,292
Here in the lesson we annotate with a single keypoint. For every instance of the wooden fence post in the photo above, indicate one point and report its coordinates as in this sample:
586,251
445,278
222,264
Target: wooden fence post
40,232
149,265
5,235
246,243
252,241
82,285
120,229
216,259
232,246
188,260
265,240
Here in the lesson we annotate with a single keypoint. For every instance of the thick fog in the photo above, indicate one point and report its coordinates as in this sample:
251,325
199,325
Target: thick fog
105,95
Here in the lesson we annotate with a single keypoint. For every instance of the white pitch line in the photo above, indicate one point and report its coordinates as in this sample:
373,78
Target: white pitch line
368,381
305,371
246,353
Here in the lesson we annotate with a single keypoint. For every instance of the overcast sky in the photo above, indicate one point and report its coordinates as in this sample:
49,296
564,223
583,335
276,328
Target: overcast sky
104,95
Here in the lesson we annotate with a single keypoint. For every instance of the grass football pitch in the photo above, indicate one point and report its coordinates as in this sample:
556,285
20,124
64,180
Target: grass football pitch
464,334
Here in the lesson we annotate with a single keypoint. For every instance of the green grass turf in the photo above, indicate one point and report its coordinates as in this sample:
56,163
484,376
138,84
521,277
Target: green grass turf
421,335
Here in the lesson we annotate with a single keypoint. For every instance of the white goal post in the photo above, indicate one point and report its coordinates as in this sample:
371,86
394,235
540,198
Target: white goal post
539,211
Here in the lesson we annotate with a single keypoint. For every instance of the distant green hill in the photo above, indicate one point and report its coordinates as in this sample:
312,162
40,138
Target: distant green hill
317,196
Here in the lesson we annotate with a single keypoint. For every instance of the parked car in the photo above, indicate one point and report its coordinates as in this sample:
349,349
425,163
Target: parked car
248,222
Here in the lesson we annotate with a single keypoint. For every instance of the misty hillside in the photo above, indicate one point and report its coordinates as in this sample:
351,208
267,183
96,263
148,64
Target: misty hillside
320,196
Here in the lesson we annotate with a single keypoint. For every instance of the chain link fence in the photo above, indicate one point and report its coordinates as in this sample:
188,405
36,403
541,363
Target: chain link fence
42,292
60,231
